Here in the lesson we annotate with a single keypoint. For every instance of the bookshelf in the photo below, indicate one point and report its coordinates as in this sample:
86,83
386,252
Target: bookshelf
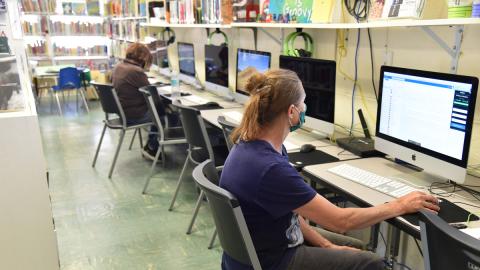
52,29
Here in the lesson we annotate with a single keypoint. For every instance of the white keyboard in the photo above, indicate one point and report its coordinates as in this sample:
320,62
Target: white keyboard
196,99
383,184
235,116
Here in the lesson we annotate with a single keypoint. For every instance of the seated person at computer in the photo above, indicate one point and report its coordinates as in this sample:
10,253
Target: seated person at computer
128,76
275,199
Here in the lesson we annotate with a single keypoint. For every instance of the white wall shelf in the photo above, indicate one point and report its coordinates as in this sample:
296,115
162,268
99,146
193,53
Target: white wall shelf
127,18
70,58
186,25
373,24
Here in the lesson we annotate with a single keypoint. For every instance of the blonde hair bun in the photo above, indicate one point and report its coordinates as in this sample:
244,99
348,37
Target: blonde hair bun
255,82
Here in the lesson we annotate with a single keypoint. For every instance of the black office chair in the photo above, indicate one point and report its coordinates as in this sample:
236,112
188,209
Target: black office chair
166,136
227,128
446,248
199,150
111,105
227,214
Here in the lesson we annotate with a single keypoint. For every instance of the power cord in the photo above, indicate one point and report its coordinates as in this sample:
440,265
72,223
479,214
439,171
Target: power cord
418,246
355,80
372,64
358,8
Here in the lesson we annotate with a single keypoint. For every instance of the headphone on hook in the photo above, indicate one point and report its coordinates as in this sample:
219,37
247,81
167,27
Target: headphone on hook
171,35
217,31
289,42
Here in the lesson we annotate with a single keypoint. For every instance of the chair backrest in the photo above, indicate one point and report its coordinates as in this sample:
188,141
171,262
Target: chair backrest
229,220
194,128
227,128
69,78
445,247
109,100
152,98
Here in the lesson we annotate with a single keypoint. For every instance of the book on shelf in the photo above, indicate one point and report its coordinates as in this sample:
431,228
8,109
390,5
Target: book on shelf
322,11
286,11
245,10
142,8
157,11
93,7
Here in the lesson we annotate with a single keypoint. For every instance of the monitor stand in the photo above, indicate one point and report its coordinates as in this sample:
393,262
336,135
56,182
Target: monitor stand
190,81
416,175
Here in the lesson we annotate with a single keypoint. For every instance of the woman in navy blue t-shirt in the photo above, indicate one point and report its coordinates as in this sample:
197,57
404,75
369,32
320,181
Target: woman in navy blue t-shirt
275,199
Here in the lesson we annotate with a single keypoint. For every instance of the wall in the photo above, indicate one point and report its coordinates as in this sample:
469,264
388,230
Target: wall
404,47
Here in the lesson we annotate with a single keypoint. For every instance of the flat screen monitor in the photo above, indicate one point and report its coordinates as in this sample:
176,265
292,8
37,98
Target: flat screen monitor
318,79
425,118
186,59
250,62
216,68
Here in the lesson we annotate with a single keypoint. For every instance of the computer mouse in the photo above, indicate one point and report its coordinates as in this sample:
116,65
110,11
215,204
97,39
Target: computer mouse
212,104
307,148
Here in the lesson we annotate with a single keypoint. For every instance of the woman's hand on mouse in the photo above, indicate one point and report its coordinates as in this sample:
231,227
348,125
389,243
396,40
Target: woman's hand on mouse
415,201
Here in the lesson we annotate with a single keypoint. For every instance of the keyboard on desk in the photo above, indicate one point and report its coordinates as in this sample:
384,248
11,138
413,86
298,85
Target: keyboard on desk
383,184
196,99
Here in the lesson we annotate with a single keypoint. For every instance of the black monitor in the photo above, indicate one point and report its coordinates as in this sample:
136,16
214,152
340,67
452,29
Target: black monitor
216,65
318,79
250,62
186,59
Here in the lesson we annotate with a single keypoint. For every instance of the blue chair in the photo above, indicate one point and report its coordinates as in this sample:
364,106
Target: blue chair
69,79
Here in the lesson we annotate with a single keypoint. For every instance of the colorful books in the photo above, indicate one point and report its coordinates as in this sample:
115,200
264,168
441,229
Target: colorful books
93,7
288,10
322,11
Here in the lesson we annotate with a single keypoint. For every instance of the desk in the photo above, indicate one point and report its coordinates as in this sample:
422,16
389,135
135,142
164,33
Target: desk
366,197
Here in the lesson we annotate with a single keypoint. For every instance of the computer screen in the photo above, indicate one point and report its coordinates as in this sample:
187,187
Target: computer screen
186,59
216,64
428,112
250,62
318,79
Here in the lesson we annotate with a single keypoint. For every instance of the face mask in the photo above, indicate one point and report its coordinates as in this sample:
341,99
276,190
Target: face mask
301,119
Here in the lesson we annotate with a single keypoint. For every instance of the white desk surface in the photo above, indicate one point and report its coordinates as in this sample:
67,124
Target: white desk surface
372,197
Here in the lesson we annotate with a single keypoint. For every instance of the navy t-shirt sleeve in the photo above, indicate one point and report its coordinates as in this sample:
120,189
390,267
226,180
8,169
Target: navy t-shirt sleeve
283,190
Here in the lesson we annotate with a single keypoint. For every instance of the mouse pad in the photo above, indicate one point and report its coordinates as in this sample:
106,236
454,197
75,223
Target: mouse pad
315,157
203,107
449,212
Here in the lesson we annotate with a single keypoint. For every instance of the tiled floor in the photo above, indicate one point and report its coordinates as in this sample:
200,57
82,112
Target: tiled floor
109,224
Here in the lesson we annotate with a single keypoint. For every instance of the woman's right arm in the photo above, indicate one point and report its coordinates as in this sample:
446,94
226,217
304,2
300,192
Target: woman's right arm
341,220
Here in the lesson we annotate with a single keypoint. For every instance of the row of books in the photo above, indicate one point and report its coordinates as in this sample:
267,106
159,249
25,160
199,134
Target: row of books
38,48
126,8
129,30
38,5
79,28
64,29
191,11
100,50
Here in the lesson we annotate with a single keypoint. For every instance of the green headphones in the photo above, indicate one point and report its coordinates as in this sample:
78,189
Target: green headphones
217,31
289,42
171,35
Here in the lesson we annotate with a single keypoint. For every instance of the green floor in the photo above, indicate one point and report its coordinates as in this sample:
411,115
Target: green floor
106,223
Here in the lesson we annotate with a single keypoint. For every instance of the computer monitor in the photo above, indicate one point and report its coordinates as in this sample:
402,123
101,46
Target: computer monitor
318,79
216,69
186,62
425,119
248,63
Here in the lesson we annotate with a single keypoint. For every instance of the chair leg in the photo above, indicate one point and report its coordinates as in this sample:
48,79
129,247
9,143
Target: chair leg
212,241
133,139
140,137
99,144
179,183
122,135
84,99
195,211
163,155
58,105
152,169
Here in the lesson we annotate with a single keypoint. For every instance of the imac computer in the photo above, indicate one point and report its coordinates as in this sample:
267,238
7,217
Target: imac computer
249,62
216,69
425,119
318,79
186,63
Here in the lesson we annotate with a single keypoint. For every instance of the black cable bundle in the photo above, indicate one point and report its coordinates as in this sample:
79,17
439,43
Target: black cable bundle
358,8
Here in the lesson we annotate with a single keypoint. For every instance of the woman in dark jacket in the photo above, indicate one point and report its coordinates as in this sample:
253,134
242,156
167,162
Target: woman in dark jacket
128,76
